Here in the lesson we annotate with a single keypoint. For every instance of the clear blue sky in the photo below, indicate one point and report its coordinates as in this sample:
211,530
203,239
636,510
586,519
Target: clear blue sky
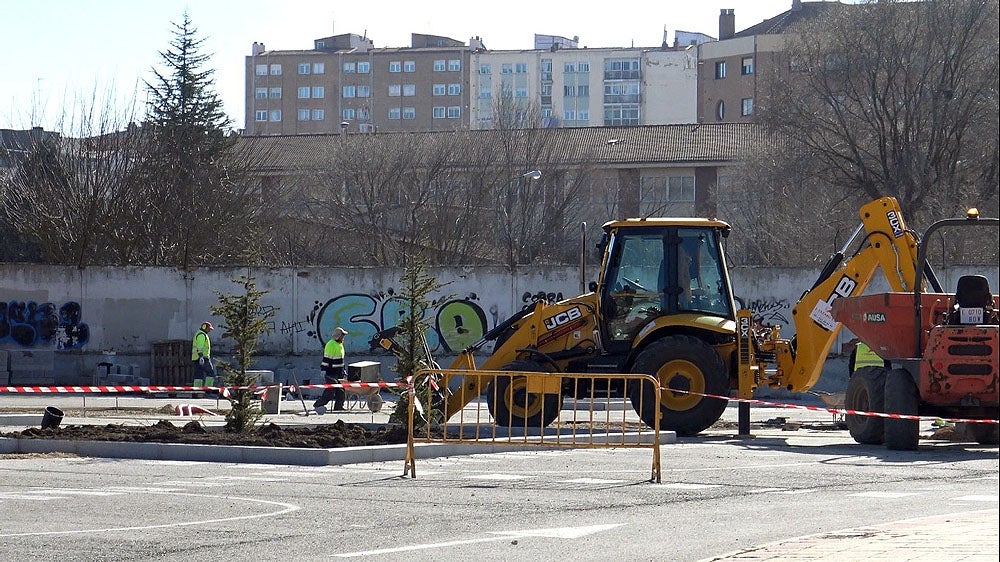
64,54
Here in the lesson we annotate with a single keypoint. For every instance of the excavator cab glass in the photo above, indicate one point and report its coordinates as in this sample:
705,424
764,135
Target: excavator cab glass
657,271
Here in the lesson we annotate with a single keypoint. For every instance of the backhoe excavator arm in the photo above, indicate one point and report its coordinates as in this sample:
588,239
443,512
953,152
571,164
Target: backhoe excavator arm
888,244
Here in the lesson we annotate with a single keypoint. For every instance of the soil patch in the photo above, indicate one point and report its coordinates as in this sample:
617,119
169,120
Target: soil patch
335,435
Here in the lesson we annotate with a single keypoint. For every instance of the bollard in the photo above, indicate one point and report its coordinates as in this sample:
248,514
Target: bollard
52,417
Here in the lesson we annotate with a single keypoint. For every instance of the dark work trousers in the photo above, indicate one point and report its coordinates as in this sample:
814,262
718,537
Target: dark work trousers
337,395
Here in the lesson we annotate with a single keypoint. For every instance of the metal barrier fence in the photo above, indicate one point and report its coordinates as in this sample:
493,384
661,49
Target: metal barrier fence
529,405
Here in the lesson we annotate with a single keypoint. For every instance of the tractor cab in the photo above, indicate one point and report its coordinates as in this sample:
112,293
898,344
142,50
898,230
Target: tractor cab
655,268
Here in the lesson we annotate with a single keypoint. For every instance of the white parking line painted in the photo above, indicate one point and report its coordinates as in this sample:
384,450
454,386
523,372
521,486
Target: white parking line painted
684,486
497,477
978,498
883,495
283,509
593,481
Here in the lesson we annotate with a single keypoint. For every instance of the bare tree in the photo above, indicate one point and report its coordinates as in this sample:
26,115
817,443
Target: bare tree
893,98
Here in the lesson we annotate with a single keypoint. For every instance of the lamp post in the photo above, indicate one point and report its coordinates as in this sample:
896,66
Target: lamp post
516,216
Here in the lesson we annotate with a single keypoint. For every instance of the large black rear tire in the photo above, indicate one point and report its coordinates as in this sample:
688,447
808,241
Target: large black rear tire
681,363
901,397
511,405
866,393
984,433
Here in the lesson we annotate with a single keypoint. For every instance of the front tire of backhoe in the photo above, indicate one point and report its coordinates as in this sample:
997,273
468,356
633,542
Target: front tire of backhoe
901,397
511,405
866,393
681,363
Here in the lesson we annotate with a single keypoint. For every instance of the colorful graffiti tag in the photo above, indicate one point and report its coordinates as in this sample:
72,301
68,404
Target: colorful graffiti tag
457,322
30,324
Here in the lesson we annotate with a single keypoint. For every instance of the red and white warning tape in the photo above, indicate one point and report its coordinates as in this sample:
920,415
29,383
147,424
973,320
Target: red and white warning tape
174,388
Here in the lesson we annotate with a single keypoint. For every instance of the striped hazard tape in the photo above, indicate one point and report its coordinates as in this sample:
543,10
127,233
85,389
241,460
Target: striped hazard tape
838,410
174,388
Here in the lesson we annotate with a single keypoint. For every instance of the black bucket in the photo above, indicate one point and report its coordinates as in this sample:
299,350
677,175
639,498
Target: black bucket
52,417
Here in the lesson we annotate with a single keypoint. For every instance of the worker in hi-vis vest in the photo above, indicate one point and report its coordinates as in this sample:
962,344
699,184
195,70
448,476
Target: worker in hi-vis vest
863,356
201,352
333,372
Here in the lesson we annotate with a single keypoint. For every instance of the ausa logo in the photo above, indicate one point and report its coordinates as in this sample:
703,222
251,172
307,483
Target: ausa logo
874,317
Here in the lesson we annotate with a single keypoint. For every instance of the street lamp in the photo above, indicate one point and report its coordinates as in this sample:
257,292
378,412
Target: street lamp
532,175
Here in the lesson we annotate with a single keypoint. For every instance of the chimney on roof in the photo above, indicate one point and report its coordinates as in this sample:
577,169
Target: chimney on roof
727,24
796,5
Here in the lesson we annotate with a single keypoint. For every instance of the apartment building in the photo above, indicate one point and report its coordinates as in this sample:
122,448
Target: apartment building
345,84
572,87
728,69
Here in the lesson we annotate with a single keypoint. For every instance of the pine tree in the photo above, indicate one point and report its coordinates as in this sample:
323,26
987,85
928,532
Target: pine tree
199,200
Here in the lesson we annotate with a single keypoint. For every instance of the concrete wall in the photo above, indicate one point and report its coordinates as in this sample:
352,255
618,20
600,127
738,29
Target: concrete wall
58,323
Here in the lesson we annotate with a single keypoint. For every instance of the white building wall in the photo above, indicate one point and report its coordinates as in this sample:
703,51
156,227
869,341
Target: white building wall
670,87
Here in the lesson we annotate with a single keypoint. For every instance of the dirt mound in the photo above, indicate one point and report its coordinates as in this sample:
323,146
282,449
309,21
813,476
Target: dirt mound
329,436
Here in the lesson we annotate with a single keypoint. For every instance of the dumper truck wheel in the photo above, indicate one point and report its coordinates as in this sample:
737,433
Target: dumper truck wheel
510,403
866,393
684,365
901,397
984,433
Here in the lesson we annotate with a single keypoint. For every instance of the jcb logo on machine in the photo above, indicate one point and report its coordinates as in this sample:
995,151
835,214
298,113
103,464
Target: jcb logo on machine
844,288
895,223
554,322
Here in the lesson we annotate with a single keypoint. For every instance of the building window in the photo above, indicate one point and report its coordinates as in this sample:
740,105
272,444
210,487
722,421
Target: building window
569,91
454,112
720,70
275,115
395,90
439,89
303,92
260,93
746,106
569,67
364,67
302,114
569,115
546,69
439,65
260,115
305,68
454,89
439,112
485,69
409,113
364,91
520,92
319,92
395,66
318,115
520,68
583,91
747,66
720,110
350,68
506,68
394,113
363,114
583,115
274,93
319,68
454,65
349,91
275,70
409,90
680,189
583,67
261,70
409,66
347,114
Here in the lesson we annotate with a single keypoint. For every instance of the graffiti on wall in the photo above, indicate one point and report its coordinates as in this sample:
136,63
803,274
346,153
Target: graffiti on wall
454,323
30,324
769,312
